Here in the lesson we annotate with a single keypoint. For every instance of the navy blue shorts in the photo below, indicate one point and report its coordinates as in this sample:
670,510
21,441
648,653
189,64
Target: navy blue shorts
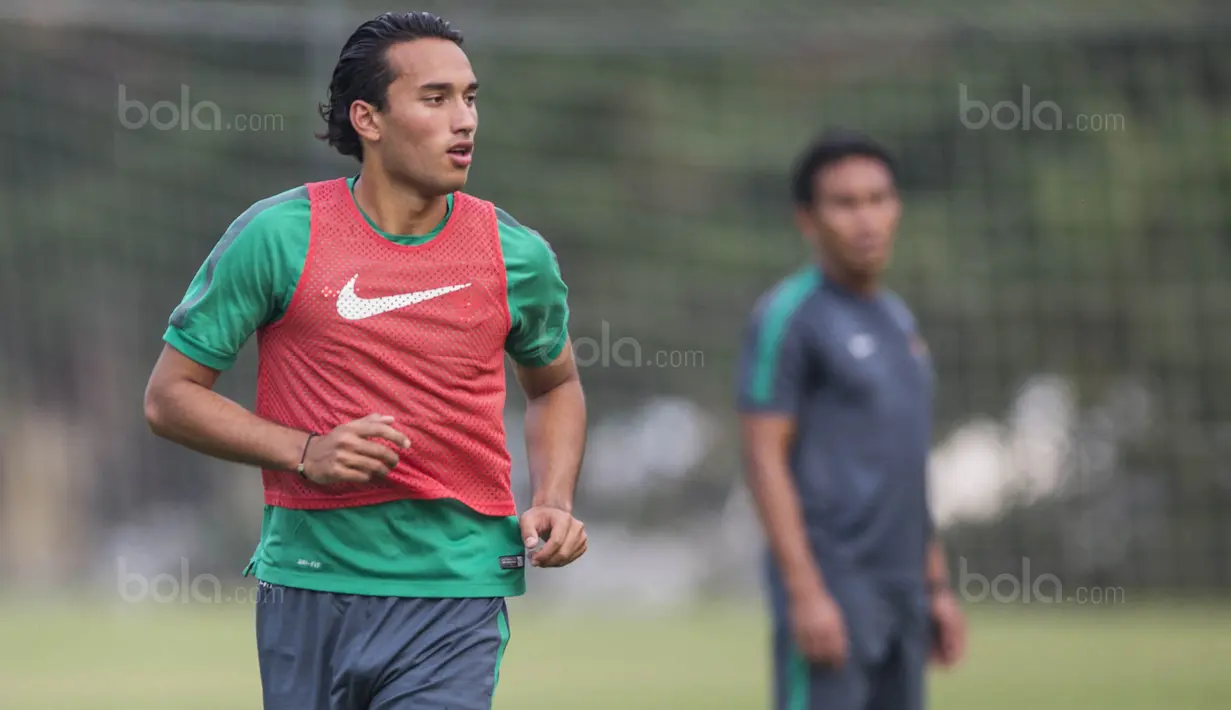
888,639
322,651
894,682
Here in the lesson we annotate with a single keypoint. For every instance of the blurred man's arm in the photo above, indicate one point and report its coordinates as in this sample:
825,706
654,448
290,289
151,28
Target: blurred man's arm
767,440
937,567
948,621
772,380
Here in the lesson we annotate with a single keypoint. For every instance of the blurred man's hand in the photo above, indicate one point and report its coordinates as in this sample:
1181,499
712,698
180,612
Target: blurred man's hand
949,629
820,631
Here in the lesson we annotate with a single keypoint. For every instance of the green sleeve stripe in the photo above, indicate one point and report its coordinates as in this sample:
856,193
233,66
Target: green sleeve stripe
507,219
783,302
179,316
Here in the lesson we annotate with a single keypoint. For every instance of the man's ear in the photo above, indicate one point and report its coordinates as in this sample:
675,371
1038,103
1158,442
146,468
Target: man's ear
363,116
805,222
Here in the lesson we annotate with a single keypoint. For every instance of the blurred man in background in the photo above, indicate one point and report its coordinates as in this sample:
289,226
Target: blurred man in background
835,393
384,306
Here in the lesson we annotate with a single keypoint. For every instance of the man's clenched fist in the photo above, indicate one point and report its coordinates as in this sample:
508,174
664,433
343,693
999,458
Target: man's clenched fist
351,453
564,536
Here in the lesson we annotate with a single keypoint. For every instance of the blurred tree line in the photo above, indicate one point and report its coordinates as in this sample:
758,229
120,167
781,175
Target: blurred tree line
659,176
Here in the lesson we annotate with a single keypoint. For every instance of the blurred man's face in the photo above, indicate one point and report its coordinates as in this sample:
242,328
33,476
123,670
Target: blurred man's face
854,215
425,135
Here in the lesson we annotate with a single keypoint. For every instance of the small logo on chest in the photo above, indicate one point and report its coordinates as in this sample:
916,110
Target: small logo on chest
861,346
352,307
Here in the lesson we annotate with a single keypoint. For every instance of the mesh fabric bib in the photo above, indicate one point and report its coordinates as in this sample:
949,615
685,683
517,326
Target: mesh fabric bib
413,332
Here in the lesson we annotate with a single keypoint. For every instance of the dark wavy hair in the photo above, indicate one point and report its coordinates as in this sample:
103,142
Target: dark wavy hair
830,148
363,72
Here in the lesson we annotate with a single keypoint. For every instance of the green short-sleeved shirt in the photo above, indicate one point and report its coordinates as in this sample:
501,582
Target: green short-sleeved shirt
411,548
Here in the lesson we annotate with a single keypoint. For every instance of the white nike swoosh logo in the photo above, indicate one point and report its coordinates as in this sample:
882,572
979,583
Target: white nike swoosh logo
352,307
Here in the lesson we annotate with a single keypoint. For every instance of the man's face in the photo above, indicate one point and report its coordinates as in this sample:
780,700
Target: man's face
854,215
425,135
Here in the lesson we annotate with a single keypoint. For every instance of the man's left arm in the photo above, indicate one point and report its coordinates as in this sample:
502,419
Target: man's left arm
555,443
555,424
948,623
937,567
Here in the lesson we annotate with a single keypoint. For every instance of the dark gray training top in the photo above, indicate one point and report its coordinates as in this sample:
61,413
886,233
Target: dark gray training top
857,377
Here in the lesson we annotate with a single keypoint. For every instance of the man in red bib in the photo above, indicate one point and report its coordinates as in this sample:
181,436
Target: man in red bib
384,306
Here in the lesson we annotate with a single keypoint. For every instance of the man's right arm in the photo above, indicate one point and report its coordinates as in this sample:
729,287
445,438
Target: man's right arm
241,285
767,441
772,372
182,406
773,377
245,283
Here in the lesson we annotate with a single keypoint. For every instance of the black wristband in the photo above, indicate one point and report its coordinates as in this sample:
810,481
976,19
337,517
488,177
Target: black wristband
304,457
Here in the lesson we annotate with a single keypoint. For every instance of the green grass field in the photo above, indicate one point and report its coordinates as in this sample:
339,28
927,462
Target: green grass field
201,658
